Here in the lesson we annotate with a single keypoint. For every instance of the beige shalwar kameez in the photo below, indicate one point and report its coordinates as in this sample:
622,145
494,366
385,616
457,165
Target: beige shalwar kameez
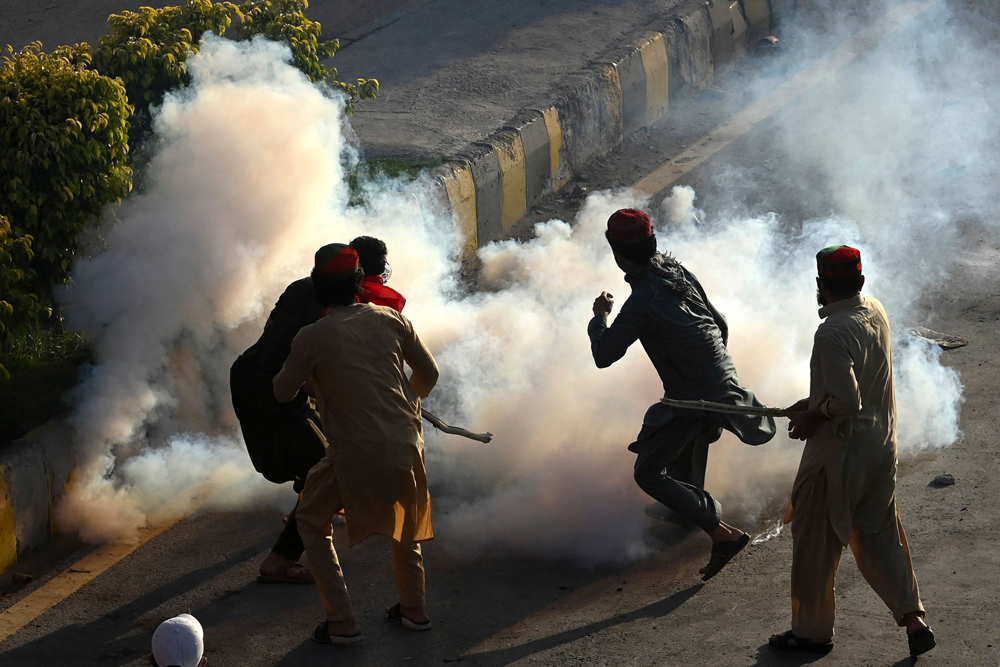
374,466
845,489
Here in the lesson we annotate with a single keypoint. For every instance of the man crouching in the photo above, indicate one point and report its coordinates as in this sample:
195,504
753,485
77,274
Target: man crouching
374,465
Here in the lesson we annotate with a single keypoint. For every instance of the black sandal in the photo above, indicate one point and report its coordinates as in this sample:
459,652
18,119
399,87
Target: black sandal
323,636
395,614
921,641
783,642
722,553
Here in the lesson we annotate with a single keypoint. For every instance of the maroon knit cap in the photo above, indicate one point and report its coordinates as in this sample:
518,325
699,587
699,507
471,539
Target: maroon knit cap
629,225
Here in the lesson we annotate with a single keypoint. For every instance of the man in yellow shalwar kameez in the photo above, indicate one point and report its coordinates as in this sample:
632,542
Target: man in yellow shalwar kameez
353,357
845,489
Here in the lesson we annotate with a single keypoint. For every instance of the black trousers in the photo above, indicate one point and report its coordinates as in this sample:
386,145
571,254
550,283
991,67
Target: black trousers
670,467
284,441
289,543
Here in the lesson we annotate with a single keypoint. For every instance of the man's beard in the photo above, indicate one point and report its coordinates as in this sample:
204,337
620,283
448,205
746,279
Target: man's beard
819,298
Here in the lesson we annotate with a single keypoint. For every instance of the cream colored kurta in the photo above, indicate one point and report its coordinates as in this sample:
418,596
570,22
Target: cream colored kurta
355,356
851,383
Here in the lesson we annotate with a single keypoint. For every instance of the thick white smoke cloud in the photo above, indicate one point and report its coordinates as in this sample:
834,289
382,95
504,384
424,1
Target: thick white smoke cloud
248,181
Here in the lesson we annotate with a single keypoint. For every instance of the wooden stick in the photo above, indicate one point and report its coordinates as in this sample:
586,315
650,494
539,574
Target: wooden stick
725,408
454,430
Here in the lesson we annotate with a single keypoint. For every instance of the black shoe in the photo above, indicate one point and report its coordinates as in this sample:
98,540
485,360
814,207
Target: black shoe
921,641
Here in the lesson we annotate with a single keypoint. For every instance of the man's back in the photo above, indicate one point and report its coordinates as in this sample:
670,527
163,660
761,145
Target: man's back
357,354
683,335
296,308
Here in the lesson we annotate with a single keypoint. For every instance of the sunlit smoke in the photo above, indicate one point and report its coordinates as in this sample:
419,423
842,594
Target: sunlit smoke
248,180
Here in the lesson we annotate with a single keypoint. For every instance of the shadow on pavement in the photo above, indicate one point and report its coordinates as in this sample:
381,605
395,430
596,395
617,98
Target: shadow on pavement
657,609
206,565
769,657
419,650
110,639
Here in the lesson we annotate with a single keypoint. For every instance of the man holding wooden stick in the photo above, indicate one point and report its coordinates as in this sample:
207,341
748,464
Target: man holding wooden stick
354,357
685,338
285,440
845,489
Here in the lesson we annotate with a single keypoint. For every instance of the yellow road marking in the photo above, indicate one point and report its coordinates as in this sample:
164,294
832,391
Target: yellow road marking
69,581
741,123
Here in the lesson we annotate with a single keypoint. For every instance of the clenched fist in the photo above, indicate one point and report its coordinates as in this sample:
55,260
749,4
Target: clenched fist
604,304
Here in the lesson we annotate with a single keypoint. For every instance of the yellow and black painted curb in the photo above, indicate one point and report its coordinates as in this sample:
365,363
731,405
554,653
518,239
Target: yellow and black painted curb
34,472
492,184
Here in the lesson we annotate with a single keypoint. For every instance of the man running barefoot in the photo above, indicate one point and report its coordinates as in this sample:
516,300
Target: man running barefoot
685,338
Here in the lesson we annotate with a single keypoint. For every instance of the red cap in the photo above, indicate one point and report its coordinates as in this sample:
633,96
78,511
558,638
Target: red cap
628,225
337,260
838,262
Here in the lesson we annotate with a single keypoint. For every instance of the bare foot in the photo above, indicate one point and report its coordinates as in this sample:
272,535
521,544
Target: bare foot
276,565
914,622
725,533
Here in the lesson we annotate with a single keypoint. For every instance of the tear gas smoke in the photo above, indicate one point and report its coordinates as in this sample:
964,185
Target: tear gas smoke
248,180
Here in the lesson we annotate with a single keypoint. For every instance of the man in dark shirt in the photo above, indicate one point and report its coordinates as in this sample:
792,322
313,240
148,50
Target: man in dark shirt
685,337
285,440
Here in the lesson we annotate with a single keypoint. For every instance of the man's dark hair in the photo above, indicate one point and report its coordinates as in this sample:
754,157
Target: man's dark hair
336,292
371,254
844,286
637,252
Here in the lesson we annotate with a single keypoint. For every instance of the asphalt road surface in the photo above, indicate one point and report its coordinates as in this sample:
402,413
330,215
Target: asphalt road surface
520,611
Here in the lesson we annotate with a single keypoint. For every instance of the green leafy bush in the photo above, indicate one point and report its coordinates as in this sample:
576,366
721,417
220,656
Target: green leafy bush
147,50
63,151
68,119
44,363
19,307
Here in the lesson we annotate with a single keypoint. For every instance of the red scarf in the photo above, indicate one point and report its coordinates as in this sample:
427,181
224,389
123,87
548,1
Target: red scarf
376,292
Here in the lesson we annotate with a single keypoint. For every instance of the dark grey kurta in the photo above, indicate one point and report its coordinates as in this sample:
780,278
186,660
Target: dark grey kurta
685,337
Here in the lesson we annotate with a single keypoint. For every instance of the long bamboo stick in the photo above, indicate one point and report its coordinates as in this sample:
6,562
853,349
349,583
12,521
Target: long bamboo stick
725,408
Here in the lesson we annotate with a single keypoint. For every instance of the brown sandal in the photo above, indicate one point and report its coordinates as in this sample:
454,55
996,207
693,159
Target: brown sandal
789,641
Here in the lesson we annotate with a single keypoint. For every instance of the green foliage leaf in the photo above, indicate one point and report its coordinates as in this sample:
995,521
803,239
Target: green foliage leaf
64,151
19,306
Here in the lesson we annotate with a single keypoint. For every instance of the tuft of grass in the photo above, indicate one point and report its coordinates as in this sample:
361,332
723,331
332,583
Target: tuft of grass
44,364
391,167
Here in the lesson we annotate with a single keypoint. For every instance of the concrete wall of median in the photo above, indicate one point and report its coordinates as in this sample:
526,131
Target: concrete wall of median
492,184
34,472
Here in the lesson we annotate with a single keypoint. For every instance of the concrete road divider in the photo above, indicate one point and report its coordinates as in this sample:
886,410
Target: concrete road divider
34,472
492,184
